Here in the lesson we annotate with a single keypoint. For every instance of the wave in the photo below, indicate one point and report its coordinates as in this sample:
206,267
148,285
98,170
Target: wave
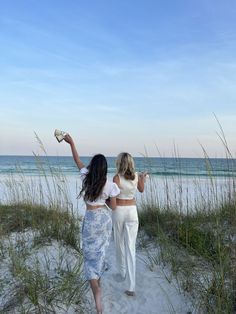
194,174
170,167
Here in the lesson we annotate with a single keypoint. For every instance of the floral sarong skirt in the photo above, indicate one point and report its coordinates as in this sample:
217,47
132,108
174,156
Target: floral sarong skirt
96,233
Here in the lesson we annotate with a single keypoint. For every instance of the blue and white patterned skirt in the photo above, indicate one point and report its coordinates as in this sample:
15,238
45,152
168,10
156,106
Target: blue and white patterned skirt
96,233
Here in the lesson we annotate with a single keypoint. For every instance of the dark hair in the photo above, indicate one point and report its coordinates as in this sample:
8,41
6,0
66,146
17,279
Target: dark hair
95,179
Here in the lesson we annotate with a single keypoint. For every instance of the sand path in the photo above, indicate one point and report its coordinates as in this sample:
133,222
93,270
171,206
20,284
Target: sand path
154,293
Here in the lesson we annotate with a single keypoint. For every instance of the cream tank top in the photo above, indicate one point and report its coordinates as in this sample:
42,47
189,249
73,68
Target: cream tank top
128,188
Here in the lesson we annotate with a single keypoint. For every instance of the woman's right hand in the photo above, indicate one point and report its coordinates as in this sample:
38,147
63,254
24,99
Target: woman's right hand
75,154
68,139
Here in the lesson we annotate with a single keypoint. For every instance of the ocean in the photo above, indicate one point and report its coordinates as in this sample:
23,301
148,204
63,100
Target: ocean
182,183
156,166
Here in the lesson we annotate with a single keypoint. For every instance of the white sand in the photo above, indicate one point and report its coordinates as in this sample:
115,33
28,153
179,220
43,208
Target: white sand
154,294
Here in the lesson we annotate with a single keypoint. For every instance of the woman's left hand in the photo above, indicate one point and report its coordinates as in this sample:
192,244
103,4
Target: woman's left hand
144,175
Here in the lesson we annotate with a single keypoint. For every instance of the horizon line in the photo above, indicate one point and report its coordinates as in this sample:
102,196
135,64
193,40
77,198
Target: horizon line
112,156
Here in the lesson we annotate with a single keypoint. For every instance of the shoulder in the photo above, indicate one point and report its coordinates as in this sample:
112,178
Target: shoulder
83,172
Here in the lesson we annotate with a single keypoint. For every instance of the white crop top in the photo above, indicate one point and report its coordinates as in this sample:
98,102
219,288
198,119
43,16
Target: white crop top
110,189
128,188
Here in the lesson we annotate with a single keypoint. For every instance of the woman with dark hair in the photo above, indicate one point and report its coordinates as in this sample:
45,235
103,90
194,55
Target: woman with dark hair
125,218
97,223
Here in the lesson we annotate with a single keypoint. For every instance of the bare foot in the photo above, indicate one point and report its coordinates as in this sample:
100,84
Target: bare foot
130,293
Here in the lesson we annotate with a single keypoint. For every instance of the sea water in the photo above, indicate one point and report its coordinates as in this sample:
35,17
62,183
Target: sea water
157,166
178,182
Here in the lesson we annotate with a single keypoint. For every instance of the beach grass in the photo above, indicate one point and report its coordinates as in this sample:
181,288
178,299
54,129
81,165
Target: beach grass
198,243
196,237
41,260
51,223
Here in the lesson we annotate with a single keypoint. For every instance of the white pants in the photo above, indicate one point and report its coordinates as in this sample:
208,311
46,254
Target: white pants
125,226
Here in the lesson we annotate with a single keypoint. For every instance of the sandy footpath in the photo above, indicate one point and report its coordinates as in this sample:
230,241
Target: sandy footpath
154,293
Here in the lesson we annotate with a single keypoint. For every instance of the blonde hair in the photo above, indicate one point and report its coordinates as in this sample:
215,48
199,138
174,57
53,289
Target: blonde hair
125,166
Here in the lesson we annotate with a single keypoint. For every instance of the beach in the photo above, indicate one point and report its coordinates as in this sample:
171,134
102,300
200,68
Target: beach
176,182
146,81
164,284
154,293
157,291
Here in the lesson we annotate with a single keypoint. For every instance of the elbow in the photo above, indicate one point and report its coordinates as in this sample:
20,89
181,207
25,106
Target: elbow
112,204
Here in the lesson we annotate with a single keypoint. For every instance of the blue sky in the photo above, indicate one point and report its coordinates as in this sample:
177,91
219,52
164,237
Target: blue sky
118,75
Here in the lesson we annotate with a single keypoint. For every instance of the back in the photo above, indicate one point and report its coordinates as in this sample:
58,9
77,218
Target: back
128,188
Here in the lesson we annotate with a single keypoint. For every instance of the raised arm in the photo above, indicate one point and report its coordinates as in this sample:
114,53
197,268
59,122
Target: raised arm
75,154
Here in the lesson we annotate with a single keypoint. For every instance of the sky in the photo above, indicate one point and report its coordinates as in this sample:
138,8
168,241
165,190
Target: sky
143,76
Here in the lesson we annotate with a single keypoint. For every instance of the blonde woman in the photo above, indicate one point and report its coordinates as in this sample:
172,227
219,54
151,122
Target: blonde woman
125,219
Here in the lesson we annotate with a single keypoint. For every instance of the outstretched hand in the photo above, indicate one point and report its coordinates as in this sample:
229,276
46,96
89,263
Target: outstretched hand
143,175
